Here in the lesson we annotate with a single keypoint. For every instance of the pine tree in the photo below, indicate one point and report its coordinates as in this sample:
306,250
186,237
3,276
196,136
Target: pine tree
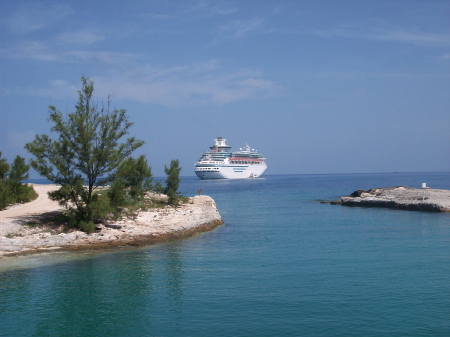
85,152
18,173
5,195
12,190
172,181
133,178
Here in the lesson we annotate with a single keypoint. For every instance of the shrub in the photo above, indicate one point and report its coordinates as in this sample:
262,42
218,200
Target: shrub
87,226
11,188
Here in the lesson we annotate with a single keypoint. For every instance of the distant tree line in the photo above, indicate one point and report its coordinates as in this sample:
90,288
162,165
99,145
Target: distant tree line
90,149
11,189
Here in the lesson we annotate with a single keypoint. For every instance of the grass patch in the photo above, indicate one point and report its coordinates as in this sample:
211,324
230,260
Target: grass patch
32,223
13,235
32,195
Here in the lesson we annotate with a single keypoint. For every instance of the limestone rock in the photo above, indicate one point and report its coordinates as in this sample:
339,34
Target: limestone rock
401,197
199,214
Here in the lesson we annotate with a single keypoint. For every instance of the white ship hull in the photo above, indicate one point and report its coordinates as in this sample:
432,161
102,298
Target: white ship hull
230,172
219,163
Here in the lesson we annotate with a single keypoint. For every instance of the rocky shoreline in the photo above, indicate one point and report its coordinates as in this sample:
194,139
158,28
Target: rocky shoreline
157,225
400,197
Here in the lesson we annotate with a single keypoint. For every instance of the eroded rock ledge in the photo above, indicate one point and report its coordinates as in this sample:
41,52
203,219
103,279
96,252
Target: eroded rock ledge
154,226
424,199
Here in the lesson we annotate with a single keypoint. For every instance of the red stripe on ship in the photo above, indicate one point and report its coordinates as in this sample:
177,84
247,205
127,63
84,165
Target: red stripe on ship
245,159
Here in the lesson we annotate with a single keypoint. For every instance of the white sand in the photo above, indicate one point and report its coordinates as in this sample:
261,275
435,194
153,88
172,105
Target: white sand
12,218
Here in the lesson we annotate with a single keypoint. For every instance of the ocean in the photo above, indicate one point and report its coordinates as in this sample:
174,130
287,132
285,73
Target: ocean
283,264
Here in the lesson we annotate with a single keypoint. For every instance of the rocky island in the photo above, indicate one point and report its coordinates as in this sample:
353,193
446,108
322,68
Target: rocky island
401,197
20,233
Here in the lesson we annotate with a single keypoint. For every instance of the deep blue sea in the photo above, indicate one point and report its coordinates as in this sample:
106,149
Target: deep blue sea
283,264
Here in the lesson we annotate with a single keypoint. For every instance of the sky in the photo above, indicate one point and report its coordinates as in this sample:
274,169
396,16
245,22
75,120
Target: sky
317,87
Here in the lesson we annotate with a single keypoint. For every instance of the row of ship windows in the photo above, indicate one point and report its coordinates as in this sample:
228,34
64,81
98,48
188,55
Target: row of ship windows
244,162
206,170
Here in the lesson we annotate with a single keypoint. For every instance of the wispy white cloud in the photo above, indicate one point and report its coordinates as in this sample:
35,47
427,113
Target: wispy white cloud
29,50
194,85
34,16
193,11
37,50
55,40
188,85
387,33
209,9
81,38
238,29
158,16
98,56
56,89
377,74
414,37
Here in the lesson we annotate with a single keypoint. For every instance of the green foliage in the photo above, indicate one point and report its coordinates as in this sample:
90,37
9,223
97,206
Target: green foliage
173,181
19,170
87,226
5,194
158,187
11,188
4,167
133,179
117,194
101,206
85,152
74,220
17,173
6,197
136,176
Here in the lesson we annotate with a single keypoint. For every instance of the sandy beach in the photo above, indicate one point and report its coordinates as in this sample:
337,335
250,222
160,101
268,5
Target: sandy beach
156,225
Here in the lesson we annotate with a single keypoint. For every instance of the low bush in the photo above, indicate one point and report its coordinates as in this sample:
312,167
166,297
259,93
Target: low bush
12,190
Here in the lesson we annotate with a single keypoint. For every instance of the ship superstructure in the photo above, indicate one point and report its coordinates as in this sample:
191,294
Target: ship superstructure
220,163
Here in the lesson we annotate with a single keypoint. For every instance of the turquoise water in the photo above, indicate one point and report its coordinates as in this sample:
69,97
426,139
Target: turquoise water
281,265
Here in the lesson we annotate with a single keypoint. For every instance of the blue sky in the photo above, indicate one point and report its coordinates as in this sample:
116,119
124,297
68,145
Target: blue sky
316,86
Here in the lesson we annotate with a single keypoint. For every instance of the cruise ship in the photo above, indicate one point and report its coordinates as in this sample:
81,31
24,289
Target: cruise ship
220,163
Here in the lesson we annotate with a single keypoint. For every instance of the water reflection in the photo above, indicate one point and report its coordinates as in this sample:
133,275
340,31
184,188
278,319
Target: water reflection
174,272
100,293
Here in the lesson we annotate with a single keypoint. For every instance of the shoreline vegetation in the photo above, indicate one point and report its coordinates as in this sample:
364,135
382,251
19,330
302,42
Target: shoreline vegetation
85,151
12,191
399,197
31,228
